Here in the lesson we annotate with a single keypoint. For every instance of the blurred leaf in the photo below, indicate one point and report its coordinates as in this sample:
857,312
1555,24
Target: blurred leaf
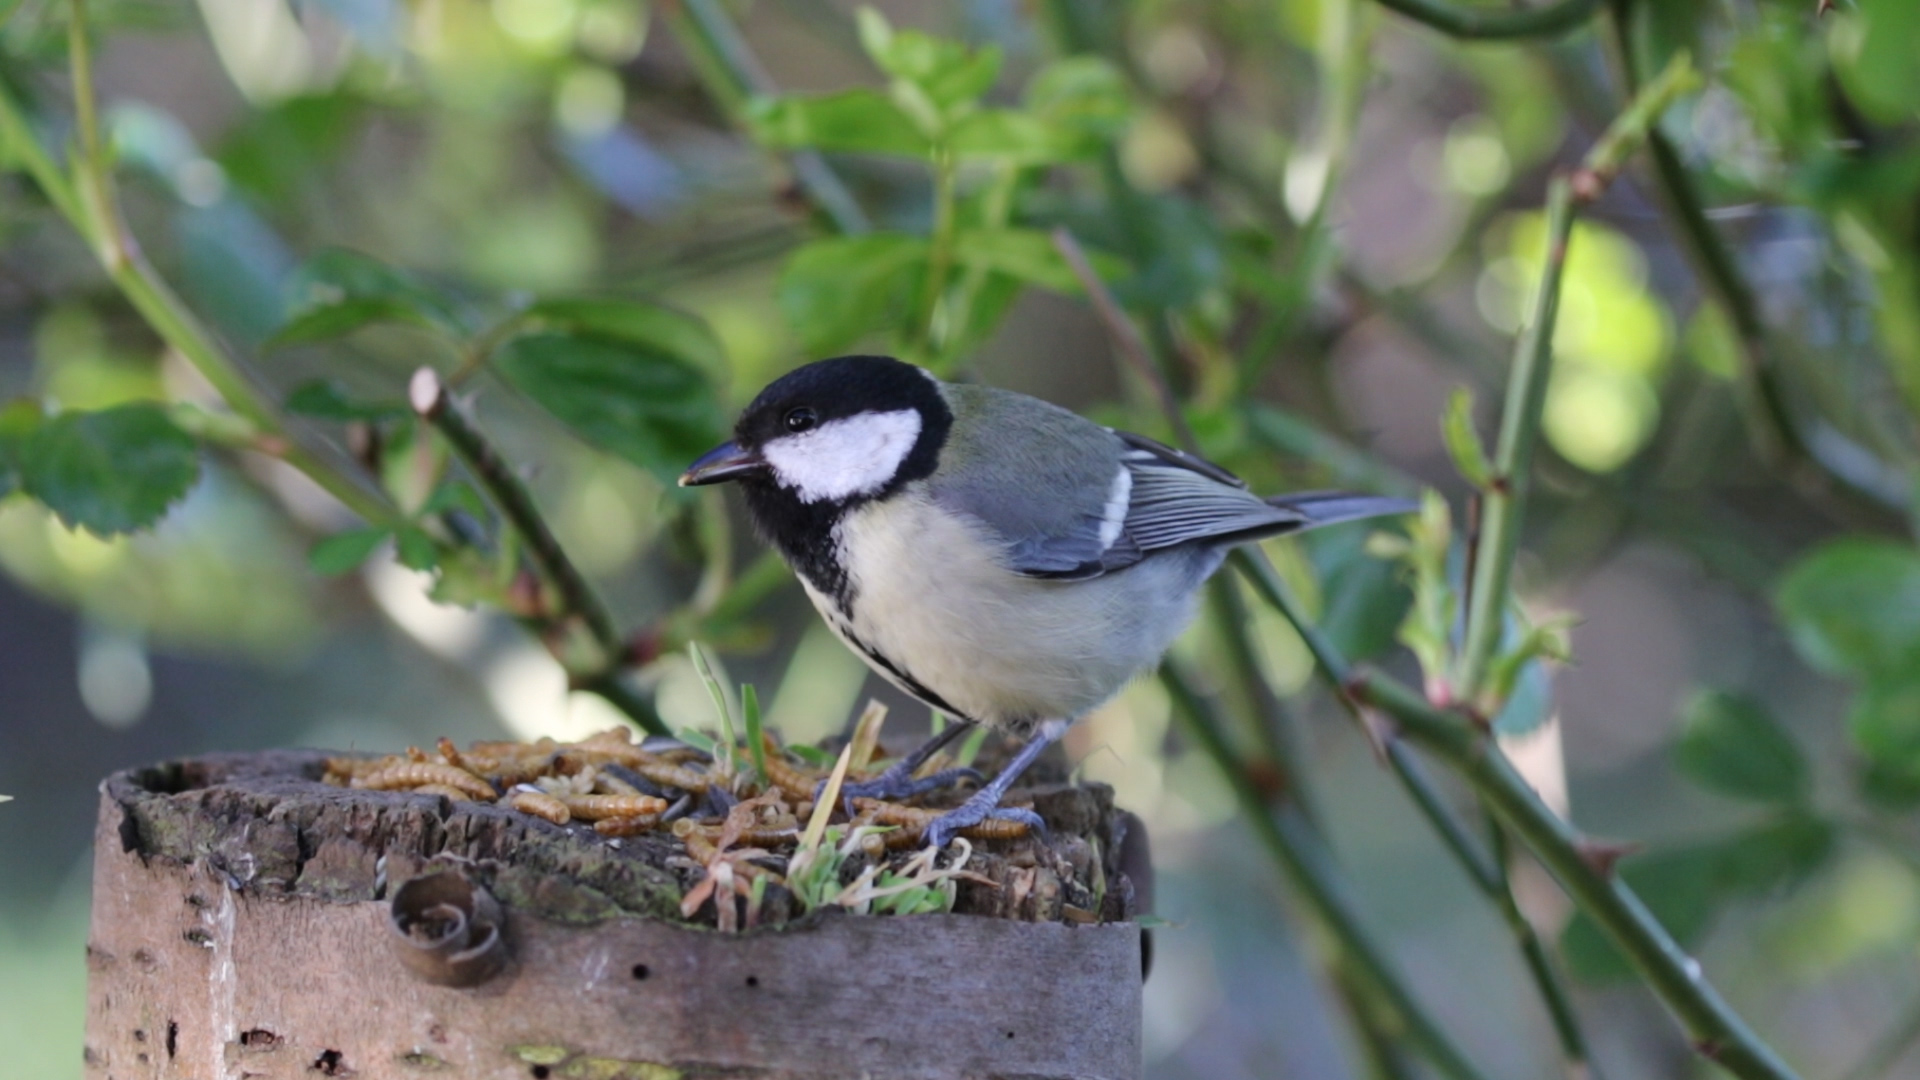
1853,607
855,121
645,404
1463,441
337,291
1772,857
1014,138
1086,94
1177,248
1733,746
636,322
324,322
111,471
230,263
1028,255
947,72
1888,788
18,420
1529,702
456,495
415,548
835,290
344,551
326,399
1877,56
1363,599
1885,723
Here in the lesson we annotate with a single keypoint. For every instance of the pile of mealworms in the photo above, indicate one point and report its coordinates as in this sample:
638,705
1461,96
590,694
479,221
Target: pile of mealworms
627,789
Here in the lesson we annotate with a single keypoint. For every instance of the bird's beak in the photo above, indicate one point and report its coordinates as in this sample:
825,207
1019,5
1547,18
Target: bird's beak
721,464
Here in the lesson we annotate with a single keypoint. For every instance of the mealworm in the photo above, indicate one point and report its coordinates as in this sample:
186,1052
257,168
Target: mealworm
453,756
626,826
539,804
596,807
783,775
914,820
412,774
444,790
674,776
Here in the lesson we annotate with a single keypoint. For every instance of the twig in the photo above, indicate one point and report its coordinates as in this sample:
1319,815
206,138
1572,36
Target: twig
1540,965
1717,1032
1505,500
430,400
733,75
1299,849
1126,337
1490,24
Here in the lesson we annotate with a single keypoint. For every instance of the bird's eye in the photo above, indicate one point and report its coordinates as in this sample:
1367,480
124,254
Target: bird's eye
800,419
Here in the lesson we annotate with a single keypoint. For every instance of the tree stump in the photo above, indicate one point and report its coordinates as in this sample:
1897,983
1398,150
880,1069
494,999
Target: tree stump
244,927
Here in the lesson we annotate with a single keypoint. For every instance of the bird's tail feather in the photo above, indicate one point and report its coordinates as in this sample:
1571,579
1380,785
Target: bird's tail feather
1331,507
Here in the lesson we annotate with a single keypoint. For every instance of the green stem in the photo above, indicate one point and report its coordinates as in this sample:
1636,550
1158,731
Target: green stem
1532,368
1546,976
733,75
925,343
1717,1032
1490,24
578,601
1296,846
1513,460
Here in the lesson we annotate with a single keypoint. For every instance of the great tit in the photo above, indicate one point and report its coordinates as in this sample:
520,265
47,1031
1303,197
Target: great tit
999,558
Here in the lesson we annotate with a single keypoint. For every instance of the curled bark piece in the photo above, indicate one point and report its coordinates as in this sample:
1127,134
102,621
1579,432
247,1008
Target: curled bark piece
446,930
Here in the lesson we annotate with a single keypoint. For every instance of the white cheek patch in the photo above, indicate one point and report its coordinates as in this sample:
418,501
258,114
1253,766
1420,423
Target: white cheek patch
856,455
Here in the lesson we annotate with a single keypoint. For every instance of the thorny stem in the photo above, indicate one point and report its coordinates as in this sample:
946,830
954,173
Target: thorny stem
1546,976
733,75
1492,24
1716,1030
1505,500
1297,846
578,601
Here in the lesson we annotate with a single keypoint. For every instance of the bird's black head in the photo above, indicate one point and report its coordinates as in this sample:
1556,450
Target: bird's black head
824,438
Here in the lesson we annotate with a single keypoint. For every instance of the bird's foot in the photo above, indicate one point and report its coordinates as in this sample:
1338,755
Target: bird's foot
897,783
984,806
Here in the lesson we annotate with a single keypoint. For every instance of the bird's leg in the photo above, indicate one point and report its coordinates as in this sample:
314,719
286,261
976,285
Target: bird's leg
985,803
898,781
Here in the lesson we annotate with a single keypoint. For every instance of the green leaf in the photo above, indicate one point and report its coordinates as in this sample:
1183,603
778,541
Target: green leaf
1877,55
1463,441
947,71
1014,138
111,471
636,322
1028,255
325,322
1853,607
854,121
18,420
338,291
344,551
326,399
835,290
645,404
1772,857
1733,746
415,549
1885,724
812,755
1085,94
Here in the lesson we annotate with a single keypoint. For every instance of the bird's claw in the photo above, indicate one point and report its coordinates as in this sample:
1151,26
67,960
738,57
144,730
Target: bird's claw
974,811
895,784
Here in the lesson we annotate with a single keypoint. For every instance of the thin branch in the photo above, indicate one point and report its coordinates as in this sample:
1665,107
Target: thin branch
1717,1032
733,75
1546,975
1299,849
1527,384
578,601
1492,24
1126,337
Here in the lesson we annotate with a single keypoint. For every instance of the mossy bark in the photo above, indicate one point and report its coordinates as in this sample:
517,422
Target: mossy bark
240,930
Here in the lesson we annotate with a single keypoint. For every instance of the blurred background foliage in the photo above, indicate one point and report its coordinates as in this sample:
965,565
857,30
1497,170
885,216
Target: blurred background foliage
609,222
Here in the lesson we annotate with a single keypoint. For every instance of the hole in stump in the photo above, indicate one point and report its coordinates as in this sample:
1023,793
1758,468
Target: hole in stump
641,971
173,1037
139,1035
1009,1034
330,1063
258,1039
541,1072
753,980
